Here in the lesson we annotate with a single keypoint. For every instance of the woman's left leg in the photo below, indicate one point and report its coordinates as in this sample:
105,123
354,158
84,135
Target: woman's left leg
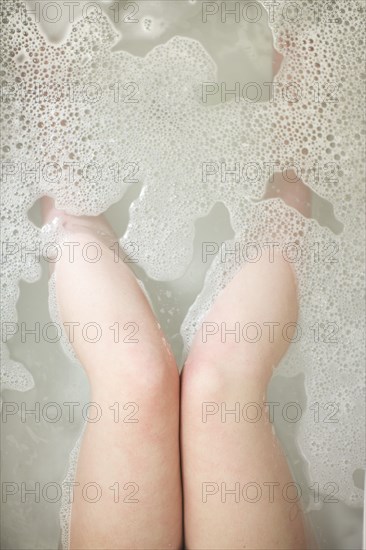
130,455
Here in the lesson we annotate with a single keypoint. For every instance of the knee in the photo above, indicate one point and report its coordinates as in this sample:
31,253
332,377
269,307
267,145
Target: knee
215,378
150,382
154,379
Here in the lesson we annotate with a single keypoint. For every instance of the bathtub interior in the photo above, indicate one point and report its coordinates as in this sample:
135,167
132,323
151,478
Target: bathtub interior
39,451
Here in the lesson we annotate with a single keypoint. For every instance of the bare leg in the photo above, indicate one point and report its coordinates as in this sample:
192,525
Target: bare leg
235,476
134,463
225,452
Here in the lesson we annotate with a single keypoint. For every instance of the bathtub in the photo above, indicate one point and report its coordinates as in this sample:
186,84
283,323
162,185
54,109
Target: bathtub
36,447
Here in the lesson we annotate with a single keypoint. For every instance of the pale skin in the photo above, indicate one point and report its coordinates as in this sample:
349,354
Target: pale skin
170,451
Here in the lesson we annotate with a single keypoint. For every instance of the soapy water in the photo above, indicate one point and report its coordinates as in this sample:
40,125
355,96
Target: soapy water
148,114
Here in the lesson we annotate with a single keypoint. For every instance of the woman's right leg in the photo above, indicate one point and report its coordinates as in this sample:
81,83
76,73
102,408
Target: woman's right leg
134,459
238,490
